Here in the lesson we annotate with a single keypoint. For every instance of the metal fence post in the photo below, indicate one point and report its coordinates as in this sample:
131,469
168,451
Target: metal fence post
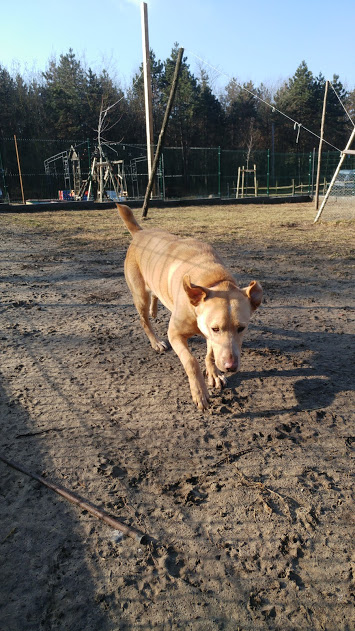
89,154
5,194
309,172
268,174
219,171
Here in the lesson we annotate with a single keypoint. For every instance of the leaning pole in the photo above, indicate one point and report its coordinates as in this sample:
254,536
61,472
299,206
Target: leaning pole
162,132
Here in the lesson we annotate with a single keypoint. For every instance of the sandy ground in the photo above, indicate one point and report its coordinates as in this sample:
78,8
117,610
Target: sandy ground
248,507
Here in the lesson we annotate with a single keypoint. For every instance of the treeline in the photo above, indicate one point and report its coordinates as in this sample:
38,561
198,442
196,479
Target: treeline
65,102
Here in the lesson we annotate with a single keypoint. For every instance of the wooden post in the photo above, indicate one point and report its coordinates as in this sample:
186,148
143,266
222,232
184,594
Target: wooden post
19,169
243,176
255,184
147,87
92,171
238,184
162,131
321,144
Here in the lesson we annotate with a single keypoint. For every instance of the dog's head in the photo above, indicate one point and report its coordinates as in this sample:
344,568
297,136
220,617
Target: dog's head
223,313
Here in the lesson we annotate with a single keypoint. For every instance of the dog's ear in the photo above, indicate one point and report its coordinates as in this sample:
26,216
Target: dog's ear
255,294
194,292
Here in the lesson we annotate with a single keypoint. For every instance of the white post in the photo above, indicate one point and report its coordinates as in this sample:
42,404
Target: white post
238,183
147,87
101,177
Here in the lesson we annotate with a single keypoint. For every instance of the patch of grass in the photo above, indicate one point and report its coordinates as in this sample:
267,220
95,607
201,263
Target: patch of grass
290,225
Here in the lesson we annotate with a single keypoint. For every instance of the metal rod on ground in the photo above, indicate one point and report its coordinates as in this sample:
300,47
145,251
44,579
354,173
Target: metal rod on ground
19,169
321,144
79,501
342,158
162,131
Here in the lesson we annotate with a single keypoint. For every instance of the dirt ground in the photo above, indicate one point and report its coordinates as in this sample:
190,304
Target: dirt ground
248,507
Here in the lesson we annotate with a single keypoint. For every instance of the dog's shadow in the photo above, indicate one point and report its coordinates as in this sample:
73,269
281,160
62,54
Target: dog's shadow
328,372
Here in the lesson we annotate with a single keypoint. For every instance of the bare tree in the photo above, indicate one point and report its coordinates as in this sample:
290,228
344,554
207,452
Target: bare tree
104,125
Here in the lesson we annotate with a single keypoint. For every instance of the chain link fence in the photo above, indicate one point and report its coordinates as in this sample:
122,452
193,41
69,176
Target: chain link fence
341,201
46,168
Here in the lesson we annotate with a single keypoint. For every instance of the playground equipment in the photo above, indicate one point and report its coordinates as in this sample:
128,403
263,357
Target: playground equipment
242,190
106,178
51,166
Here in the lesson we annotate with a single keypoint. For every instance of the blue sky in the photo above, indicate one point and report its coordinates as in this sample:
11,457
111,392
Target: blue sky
262,41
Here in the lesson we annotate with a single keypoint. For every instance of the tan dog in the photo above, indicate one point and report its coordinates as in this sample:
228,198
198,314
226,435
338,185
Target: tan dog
190,279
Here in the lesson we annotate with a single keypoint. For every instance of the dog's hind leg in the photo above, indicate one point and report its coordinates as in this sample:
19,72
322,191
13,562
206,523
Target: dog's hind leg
153,309
142,300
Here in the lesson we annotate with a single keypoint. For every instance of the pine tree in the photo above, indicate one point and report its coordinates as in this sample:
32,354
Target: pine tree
299,99
180,128
336,129
64,96
209,116
241,113
135,130
73,97
8,125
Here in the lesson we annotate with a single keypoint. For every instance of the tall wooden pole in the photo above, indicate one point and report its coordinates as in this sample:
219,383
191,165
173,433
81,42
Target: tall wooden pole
321,144
19,169
147,87
162,131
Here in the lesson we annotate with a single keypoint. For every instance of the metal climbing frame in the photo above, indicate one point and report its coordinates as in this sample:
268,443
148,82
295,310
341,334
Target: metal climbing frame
50,167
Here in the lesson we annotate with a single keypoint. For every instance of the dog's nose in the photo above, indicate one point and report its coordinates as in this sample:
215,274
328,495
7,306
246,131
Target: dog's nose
231,364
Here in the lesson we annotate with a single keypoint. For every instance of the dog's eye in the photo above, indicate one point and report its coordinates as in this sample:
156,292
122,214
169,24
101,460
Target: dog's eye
240,329
215,329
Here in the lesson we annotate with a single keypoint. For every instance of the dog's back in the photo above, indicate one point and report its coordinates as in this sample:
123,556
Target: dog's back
164,258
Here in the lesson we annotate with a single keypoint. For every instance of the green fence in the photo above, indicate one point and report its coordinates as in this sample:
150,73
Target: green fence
183,172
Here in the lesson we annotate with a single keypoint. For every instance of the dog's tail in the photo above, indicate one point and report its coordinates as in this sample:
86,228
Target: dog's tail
128,217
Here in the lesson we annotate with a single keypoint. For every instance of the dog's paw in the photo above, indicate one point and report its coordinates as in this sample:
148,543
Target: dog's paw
200,397
160,347
216,378
202,402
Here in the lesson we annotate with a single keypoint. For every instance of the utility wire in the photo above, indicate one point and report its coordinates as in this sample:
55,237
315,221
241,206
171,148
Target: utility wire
296,124
342,104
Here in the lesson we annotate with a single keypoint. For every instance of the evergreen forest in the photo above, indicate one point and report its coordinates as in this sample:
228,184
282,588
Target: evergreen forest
64,102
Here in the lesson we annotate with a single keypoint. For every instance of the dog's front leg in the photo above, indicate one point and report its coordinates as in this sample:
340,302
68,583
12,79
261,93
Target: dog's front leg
215,377
198,386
